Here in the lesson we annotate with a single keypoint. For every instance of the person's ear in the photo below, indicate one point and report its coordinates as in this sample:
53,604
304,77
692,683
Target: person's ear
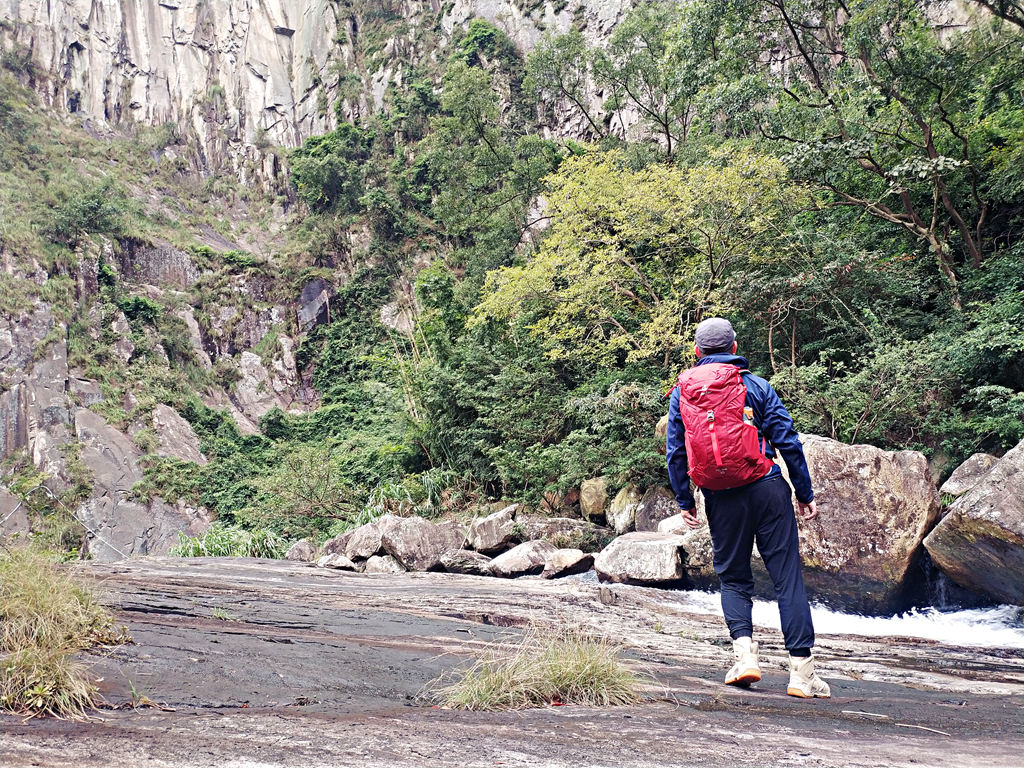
734,347
696,351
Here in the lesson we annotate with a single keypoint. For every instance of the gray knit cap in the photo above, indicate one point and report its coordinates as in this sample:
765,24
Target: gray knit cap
715,334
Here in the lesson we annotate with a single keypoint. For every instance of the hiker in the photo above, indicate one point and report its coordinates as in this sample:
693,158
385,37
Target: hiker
724,427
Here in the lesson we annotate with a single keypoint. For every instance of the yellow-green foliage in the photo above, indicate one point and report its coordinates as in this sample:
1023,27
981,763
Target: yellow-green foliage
47,616
541,669
629,253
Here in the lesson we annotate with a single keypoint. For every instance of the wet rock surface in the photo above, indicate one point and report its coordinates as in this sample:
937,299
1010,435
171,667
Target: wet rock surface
275,663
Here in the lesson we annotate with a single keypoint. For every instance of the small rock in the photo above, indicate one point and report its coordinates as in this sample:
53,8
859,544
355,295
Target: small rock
641,558
622,512
673,524
494,533
383,564
566,562
302,551
968,474
594,499
466,561
525,560
336,561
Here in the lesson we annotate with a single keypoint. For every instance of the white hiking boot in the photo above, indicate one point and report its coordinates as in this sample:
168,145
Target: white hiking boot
804,681
745,671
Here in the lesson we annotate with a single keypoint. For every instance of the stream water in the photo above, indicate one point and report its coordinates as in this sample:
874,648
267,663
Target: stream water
997,627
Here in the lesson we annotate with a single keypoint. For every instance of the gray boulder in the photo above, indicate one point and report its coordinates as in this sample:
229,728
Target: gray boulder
466,561
175,435
968,474
364,542
980,542
527,559
337,545
566,562
301,551
494,533
564,532
418,544
641,558
337,562
622,512
383,564
656,505
594,499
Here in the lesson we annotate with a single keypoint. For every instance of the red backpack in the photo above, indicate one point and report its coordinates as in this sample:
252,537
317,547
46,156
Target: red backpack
723,447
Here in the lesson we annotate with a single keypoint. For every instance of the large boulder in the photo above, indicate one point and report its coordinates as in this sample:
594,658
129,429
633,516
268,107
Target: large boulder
622,512
363,542
968,474
874,509
494,533
980,542
527,559
566,562
175,436
594,499
656,505
336,545
302,551
661,434
564,532
466,561
417,543
642,558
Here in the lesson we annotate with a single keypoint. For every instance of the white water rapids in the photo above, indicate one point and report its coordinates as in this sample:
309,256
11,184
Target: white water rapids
999,627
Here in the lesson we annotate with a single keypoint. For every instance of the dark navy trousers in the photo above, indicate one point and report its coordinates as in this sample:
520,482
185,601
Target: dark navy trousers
761,511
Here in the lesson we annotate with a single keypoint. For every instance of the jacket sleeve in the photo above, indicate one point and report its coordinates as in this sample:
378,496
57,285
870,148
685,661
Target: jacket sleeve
675,454
777,426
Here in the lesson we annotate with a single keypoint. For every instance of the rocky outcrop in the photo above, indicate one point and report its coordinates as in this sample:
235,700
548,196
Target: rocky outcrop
175,435
118,524
641,558
622,512
968,474
419,544
494,533
235,76
980,542
527,559
566,562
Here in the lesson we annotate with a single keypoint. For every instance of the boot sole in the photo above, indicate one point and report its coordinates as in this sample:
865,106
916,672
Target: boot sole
744,680
801,695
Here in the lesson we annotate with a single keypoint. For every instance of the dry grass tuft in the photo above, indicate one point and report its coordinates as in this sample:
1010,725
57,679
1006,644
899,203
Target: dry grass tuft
543,669
46,617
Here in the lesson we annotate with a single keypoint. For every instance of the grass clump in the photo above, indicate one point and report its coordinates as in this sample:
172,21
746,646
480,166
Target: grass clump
543,669
46,617
231,541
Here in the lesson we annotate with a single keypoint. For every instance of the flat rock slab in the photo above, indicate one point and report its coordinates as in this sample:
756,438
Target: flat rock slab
273,663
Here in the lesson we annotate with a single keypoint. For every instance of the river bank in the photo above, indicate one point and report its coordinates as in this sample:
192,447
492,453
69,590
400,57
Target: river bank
258,663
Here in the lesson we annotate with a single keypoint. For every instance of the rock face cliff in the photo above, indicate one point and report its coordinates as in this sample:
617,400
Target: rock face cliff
235,77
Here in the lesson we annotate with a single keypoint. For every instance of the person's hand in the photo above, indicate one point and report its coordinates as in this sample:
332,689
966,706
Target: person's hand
690,518
807,511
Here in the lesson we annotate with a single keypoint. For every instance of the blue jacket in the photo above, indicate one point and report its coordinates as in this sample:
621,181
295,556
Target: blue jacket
771,417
